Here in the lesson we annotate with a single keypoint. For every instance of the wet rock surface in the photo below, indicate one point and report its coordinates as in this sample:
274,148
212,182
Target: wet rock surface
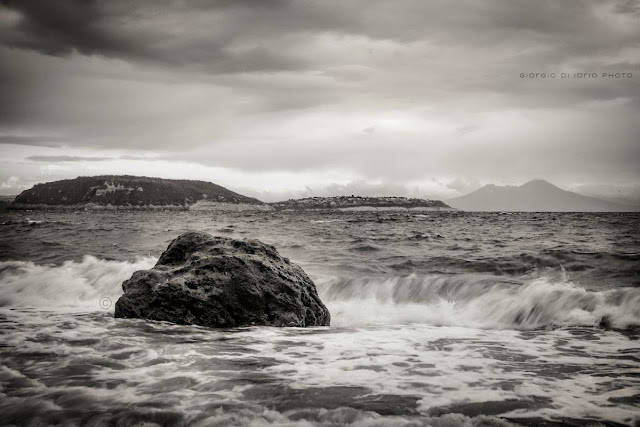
221,282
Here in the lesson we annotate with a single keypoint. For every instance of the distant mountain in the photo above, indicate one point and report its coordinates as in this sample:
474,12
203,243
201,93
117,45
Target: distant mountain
353,202
534,196
125,190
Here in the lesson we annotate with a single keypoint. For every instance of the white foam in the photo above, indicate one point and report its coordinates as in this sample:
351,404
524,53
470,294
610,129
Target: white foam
475,301
72,284
463,300
440,366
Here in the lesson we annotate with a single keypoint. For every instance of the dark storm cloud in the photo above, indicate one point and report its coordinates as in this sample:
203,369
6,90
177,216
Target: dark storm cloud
56,159
237,37
59,27
628,6
36,141
200,36
266,36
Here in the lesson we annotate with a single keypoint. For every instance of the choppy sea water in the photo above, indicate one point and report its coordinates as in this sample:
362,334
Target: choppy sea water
438,319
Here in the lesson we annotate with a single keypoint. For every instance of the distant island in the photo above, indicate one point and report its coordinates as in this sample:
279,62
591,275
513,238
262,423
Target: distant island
139,192
347,203
534,196
125,191
5,201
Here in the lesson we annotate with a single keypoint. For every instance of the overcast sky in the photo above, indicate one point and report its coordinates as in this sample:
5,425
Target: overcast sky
290,98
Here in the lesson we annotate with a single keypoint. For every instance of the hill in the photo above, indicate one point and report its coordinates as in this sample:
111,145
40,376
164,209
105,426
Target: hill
125,190
534,196
355,202
5,201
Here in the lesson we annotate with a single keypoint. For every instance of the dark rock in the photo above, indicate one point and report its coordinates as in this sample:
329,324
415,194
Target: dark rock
221,282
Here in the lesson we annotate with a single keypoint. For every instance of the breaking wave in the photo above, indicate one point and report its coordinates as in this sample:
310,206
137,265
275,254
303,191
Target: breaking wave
487,302
479,301
73,284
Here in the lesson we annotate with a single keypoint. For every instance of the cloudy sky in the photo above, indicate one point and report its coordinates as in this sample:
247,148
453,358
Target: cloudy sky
290,98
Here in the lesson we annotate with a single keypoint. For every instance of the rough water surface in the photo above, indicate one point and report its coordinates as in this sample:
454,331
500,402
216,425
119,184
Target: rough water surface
438,319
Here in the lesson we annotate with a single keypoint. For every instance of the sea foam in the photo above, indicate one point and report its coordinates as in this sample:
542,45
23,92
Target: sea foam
488,302
479,301
92,283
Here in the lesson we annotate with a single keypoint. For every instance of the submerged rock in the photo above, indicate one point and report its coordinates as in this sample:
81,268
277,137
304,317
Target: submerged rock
221,282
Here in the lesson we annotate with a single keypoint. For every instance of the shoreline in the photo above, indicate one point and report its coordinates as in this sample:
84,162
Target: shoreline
226,207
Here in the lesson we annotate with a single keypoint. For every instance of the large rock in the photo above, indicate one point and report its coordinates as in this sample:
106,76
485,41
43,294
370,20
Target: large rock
220,282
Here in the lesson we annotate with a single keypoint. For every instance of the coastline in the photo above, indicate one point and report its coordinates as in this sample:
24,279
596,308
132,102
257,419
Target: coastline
209,206
226,207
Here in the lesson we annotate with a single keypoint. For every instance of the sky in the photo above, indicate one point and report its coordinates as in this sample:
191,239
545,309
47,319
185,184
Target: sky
281,99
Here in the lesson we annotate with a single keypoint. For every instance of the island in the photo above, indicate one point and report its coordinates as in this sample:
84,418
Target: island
133,192
5,201
126,192
357,203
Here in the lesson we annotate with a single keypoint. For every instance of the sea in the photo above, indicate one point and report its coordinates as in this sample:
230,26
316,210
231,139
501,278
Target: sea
439,319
